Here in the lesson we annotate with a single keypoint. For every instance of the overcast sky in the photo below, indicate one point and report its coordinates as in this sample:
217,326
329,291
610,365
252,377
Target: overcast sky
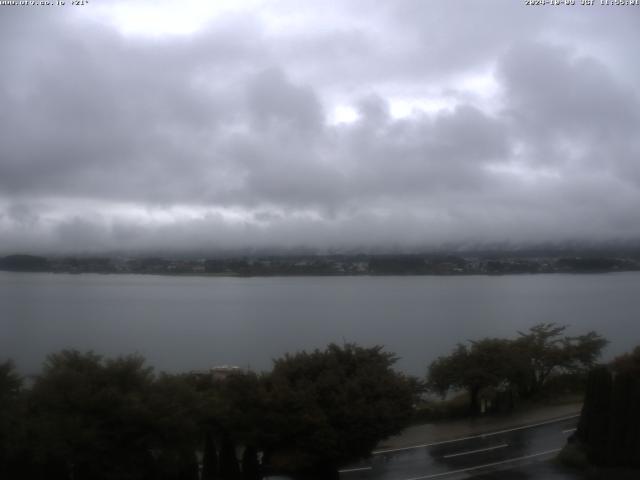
346,123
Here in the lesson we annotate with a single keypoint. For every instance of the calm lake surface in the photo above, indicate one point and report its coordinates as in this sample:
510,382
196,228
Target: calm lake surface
184,323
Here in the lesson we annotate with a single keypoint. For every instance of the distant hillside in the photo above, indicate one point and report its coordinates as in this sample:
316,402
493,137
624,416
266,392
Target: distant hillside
24,263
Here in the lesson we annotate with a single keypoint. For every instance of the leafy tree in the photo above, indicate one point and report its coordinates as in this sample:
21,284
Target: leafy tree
232,411
10,416
482,364
628,363
525,363
236,406
330,407
10,382
95,418
176,465
176,410
90,415
543,350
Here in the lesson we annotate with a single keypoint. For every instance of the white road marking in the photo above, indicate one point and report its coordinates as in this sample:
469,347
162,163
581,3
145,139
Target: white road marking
469,452
471,437
486,465
569,430
359,469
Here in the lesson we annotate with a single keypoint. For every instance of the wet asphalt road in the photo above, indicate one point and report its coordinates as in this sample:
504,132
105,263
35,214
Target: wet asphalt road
519,453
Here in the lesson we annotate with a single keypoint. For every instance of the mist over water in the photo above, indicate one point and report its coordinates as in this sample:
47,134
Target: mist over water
184,323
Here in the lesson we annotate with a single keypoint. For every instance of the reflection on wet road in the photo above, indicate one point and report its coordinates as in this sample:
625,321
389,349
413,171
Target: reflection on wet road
510,453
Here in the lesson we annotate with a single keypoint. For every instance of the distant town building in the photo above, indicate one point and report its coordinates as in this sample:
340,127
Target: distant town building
224,371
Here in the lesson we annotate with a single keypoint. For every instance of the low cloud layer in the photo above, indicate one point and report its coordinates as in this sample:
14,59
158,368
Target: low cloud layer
349,125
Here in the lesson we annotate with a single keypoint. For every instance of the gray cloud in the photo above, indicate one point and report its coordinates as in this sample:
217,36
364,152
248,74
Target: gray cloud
226,137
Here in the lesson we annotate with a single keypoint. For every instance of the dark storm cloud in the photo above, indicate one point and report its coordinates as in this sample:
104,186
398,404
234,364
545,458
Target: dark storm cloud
227,137
88,113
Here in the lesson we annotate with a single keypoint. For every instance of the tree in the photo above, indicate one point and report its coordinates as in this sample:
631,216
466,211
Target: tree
485,363
229,467
609,426
102,419
209,458
624,430
593,427
232,413
176,410
10,382
10,418
525,363
90,417
331,407
236,407
543,350
250,465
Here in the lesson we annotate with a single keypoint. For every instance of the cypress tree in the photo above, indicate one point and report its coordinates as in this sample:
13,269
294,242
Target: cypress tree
229,468
250,466
609,426
189,465
209,458
624,437
593,428
616,441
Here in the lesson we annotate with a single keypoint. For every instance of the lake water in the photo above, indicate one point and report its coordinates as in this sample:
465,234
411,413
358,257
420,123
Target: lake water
184,323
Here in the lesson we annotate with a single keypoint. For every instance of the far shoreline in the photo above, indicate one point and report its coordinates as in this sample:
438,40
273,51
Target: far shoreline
337,275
